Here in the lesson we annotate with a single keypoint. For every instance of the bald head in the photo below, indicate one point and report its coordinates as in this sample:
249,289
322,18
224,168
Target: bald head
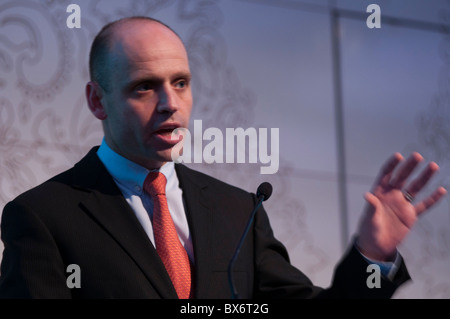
140,88
116,37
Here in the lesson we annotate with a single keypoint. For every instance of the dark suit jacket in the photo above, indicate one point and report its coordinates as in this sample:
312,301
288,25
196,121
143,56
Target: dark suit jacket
80,217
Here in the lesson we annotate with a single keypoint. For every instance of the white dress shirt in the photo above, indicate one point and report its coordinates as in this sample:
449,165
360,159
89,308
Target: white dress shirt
130,177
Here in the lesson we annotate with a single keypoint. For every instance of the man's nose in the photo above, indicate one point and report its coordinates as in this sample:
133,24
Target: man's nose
167,100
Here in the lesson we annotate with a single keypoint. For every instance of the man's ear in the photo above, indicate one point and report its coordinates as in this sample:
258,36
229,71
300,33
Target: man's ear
94,99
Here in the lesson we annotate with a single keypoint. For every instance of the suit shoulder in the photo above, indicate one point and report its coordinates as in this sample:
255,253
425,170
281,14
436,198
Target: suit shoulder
51,187
203,179
63,181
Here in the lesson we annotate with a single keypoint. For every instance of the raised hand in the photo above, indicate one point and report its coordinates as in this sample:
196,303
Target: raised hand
391,209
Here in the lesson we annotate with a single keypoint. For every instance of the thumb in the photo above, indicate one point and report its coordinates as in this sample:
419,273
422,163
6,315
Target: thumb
371,199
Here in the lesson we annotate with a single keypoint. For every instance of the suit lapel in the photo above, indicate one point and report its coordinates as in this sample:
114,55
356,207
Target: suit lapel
198,203
107,206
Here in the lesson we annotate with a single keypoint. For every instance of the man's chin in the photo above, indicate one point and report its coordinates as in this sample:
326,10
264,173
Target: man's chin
165,155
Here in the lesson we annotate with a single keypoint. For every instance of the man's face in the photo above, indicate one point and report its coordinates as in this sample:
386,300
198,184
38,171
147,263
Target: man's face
149,93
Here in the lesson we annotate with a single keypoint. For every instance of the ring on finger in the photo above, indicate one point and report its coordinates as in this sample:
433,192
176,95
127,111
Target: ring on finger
409,197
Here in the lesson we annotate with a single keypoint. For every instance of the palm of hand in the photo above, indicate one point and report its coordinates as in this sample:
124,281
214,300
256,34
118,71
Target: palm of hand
390,215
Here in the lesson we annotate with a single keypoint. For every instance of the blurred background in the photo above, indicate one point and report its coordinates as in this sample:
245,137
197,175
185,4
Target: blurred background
345,97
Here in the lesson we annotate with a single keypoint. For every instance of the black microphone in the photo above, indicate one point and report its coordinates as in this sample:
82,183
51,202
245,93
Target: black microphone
262,193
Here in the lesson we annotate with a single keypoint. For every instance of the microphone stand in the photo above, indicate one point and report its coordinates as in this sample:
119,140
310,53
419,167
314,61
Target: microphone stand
234,294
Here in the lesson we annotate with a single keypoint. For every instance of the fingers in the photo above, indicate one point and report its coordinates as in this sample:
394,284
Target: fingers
384,178
405,171
415,186
389,180
397,172
430,201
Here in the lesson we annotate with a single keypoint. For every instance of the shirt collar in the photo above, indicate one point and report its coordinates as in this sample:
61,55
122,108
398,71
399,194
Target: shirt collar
127,173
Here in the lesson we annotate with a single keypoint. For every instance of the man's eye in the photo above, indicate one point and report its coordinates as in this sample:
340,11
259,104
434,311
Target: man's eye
144,87
181,84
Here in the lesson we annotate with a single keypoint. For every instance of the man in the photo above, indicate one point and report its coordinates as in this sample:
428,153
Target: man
104,214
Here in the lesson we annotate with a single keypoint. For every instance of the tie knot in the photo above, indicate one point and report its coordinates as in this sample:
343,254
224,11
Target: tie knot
155,184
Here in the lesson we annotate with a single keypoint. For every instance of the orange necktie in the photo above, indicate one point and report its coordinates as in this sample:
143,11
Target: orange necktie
167,243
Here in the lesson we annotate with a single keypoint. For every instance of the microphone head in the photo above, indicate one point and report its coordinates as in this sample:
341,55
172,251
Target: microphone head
265,190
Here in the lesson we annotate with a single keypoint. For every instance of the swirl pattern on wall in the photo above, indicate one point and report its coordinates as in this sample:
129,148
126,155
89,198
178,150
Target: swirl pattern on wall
45,126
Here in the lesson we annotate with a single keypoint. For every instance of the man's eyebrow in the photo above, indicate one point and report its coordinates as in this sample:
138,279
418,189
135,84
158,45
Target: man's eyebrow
182,75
